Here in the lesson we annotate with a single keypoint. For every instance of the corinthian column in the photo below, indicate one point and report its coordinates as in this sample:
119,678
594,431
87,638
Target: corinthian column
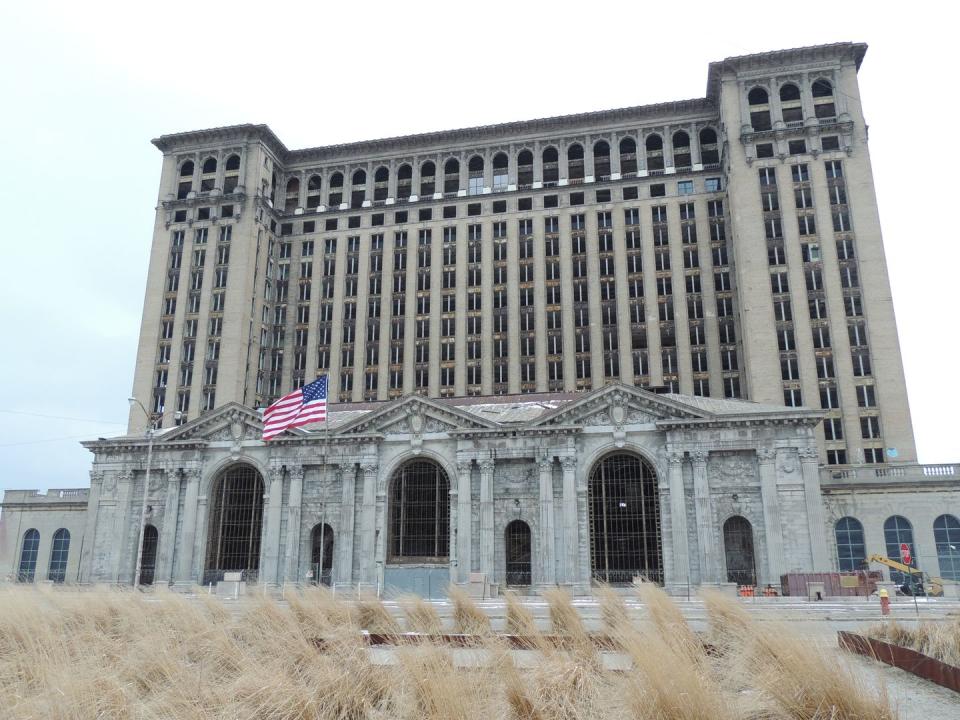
547,553
570,535
171,507
189,535
294,503
464,518
766,458
347,502
368,516
678,521
809,468
486,518
271,552
705,532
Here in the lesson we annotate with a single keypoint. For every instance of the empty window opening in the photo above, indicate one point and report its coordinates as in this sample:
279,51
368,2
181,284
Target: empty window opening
575,162
654,146
759,108
628,156
681,150
518,553
738,551
420,513
551,169
601,160
235,524
321,554
709,153
525,169
428,181
148,559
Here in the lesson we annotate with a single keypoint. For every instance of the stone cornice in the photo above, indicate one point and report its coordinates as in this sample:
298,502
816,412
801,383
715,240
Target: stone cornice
787,418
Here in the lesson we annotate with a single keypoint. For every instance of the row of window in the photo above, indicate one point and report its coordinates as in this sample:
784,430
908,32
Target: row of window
791,104
29,550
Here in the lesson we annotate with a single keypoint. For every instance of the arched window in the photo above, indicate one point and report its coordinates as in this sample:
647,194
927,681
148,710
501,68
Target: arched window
59,552
28,556
946,534
628,156
335,196
823,104
896,530
851,548
358,193
428,179
419,513
186,170
501,180
404,181
601,160
738,551
654,146
451,176
293,195
709,153
321,554
185,186
575,161
381,179
518,555
314,189
790,104
759,108
681,150
209,166
233,163
148,558
551,168
524,169
359,177
624,520
236,519
475,180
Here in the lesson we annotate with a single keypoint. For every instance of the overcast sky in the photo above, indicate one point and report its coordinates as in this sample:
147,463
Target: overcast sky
85,86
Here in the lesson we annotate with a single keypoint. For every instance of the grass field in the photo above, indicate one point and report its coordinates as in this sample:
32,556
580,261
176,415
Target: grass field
936,640
111,654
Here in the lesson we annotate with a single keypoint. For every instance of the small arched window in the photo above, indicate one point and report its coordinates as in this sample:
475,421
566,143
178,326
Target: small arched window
823,103
380,188
293,195
681,150
654,146
233,163
186,170
575,161
759,101
946,534
59,552
628,156
428,179
314,188
476,164
789,92
28,556
524,169
551,169
790,104
209,166
758,96
359,177
501,179
851,548
709,152
451,176
601,160
335,196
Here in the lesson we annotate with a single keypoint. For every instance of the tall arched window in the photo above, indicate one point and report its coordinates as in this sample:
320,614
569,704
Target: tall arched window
404,181
185,185
321,554
420,513
681,150
208,179
524,169
314,189
896,530
851,548
335,196
601,160
292,200
518,553
551,167
475,179
428,179
823,103
759,102
946,534
451,176
709,153
231,176
186,170
575,162
148,557
738,551
790,103
236,518
358,192
628,156
381,184
654,147
501,178
28,556
624,520
59,552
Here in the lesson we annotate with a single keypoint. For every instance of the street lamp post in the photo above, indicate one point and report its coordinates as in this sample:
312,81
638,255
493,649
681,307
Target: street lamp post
153,420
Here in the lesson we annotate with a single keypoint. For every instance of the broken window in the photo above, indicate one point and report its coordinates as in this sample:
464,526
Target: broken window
381,180
451,176
759,102
419,513
681,150
601,160
738,551
575,162
524,169
500,172
518,553
628,156
335,196
321,554
551,170
709,153
654,146
428,173
823,104
790,104
235,523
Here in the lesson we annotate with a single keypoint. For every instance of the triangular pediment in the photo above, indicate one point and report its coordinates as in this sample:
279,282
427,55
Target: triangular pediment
233,422
414,415
618,405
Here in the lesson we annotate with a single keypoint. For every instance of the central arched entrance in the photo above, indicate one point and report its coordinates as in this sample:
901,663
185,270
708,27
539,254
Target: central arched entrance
321,554
738,551
236,519
624,520
419,514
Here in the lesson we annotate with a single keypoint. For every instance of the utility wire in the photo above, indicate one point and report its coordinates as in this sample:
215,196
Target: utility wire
46,440
61,417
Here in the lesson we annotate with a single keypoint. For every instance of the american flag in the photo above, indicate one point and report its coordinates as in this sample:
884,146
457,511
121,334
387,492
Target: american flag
301,407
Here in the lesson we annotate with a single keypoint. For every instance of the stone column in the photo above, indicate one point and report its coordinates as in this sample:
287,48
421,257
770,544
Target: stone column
705,531
464,519
570,535
809,467
87,555
121,520
291,571
486,517
189,534
678,521
766,457
380,529
367,529
164,571
547,550
347,477
271,535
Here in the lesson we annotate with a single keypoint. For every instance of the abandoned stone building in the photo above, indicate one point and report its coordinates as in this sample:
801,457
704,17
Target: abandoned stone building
656,341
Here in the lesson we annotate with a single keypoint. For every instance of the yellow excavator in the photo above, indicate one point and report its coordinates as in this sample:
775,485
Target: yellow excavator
934,585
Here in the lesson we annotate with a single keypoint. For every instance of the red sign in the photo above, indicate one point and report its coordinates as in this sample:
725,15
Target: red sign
905,553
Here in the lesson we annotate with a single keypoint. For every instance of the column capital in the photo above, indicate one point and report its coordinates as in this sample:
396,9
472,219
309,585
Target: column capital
487,466
675,458
193,472
545,463
296,472
96,476
569,463
700,456
369,469
172,472
766,454
809,455
464,467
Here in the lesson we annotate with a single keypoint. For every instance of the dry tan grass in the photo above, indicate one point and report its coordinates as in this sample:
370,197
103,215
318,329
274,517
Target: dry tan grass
421,616
939,640
72,655
468,619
